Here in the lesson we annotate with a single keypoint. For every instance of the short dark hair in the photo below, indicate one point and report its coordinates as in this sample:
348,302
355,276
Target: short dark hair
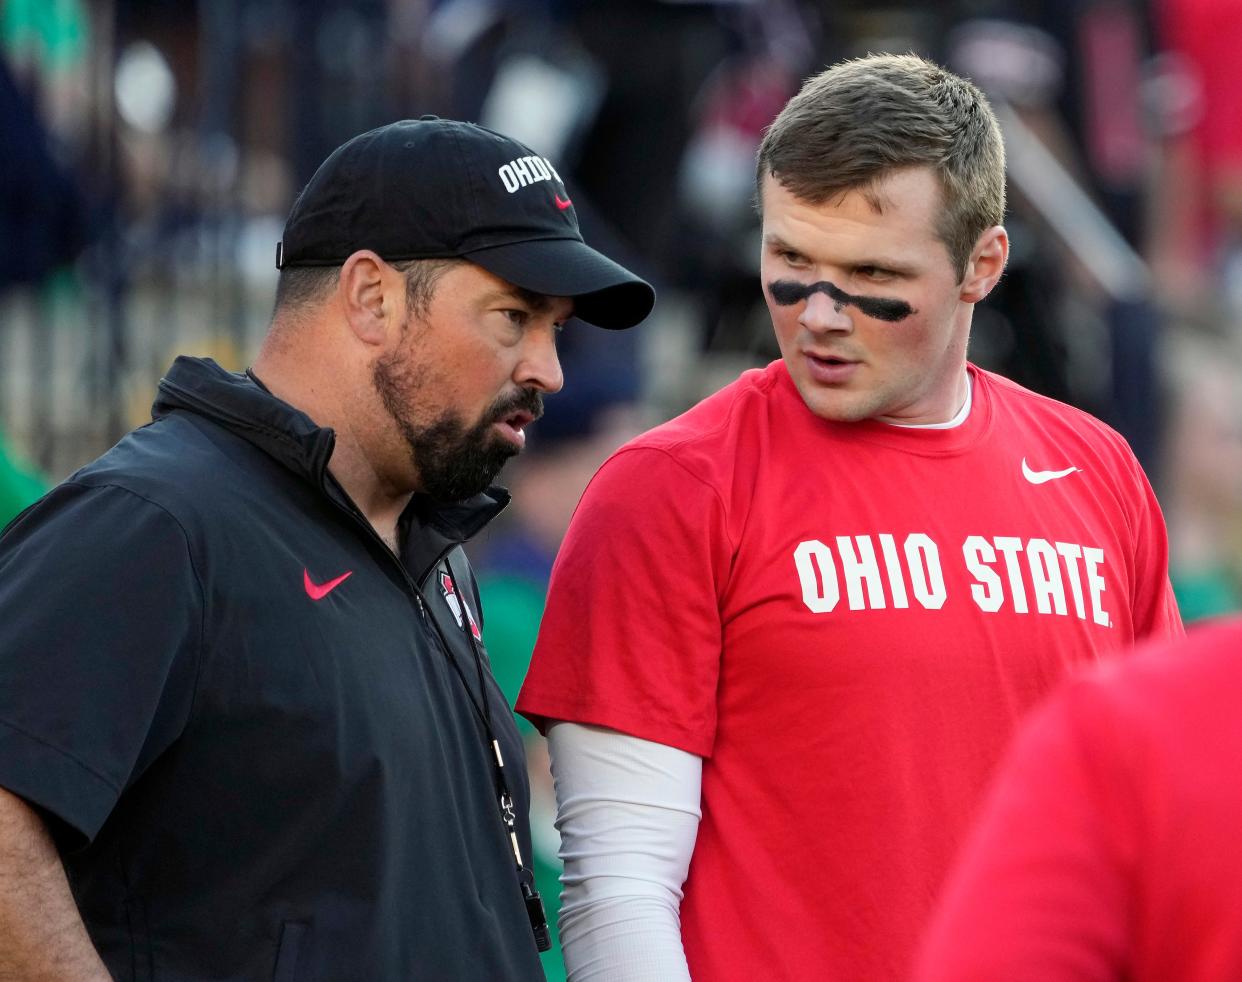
422,276
852,125
299,287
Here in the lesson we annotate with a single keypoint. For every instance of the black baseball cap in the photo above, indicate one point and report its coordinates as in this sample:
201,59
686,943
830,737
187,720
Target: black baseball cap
434,188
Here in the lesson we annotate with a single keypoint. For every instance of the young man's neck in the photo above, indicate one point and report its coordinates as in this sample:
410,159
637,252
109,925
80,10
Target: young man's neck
963,401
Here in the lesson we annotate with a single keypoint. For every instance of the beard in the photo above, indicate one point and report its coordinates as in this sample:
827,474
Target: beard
454,460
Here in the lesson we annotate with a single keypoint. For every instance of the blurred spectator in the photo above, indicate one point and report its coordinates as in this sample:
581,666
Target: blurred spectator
1203,499
1198,238
42,216
1109,846
630,156
48,44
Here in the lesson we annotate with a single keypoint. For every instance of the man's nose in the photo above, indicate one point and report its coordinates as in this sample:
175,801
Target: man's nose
540,367
821,314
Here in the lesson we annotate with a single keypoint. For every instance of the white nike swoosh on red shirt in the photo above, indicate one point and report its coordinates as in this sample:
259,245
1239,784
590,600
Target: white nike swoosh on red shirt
1042,477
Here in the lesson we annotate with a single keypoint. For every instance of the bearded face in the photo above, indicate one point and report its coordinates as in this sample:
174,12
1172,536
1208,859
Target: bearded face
456,458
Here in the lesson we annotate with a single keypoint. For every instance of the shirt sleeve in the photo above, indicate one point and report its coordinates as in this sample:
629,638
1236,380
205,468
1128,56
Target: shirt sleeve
1042,888
631,636
100,634
628,813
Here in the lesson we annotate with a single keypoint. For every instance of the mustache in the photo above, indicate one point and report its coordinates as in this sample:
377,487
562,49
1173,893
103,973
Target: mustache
522,401
789,292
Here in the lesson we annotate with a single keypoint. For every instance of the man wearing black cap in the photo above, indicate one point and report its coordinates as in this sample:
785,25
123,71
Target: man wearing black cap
247,725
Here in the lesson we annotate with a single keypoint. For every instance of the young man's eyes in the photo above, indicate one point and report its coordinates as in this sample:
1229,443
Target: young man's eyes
876,274
791,258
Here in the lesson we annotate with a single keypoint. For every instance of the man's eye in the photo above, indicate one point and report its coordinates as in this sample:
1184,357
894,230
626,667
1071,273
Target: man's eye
517,317
792,258
874,273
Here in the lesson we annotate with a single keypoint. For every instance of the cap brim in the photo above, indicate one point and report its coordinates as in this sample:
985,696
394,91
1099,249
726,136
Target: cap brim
605,293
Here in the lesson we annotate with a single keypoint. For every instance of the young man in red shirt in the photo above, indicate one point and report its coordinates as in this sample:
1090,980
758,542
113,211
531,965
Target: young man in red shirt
791,631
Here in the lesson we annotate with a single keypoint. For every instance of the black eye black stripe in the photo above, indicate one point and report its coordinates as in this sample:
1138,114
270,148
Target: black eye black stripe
788,292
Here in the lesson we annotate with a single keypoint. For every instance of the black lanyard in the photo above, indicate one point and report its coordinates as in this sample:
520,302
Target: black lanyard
508,815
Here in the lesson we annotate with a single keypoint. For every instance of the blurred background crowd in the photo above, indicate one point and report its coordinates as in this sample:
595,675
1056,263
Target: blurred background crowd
150,149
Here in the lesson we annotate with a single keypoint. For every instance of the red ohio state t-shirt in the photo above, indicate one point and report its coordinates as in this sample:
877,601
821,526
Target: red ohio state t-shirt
845,621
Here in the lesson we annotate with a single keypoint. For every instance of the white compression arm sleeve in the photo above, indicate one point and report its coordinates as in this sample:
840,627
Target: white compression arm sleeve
628,813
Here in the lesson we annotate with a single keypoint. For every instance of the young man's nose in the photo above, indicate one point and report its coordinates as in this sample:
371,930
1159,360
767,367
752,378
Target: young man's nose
821,313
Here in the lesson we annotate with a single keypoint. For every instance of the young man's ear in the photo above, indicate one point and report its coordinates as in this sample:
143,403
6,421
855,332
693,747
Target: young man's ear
987,263
369,291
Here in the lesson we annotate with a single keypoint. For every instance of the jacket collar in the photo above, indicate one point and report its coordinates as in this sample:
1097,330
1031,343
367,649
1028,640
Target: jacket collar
237,403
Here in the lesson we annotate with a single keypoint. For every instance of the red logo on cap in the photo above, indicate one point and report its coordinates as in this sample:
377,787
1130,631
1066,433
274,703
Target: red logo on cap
561,203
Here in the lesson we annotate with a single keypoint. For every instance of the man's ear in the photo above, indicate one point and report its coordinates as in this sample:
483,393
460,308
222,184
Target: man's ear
987,262
368,292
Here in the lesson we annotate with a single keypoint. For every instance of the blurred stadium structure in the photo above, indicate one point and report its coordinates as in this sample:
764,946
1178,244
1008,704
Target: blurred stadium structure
149,150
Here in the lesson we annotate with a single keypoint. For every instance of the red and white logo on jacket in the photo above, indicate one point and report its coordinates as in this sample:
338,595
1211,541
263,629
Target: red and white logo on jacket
456,605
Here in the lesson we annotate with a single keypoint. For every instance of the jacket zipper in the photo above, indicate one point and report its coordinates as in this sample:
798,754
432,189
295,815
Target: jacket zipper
508,825
352,511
